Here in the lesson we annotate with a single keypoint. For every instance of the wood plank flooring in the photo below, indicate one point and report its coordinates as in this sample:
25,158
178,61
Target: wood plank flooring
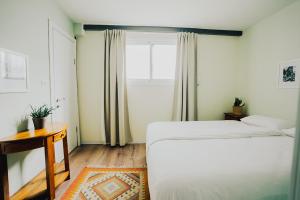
131,156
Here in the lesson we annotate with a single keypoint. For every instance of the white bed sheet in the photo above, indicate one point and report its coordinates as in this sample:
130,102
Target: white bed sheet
187,161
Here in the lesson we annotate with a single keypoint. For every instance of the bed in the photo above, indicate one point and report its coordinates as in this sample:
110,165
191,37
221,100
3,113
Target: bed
217,160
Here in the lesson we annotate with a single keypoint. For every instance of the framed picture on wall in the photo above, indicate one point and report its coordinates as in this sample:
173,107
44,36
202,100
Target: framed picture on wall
289,74
13,72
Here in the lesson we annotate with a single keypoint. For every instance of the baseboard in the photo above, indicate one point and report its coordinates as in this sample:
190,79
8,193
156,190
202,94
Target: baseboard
137,142
92,142
96,142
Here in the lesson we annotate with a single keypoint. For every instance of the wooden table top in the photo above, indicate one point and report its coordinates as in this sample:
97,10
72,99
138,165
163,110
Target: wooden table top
50,129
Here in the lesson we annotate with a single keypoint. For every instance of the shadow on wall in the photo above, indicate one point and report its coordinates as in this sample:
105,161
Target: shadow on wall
22,124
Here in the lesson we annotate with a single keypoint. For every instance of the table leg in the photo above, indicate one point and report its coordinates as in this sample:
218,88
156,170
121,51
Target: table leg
66,155
4,189
49,159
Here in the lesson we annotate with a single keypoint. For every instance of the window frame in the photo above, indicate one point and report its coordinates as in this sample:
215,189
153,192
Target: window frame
151,39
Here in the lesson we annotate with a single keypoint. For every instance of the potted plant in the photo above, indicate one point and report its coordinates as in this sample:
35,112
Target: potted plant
238,106
39,115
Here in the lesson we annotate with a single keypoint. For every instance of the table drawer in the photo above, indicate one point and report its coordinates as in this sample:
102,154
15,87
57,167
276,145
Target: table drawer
60,136
19,146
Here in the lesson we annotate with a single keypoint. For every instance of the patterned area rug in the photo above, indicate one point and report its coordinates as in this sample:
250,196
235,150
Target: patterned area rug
109,184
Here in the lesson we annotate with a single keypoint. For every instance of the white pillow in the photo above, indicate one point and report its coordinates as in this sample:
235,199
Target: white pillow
289,132
267,122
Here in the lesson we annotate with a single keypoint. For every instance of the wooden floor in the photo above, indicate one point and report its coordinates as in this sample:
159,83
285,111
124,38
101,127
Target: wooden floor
132,155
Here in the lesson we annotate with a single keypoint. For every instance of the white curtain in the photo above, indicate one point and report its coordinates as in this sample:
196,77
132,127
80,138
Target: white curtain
185,94
295,183
116,119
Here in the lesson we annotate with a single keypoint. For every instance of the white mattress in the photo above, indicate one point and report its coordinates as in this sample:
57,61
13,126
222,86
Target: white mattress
217,160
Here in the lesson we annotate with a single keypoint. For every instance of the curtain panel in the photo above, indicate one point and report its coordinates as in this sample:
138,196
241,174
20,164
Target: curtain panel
116,118
185,94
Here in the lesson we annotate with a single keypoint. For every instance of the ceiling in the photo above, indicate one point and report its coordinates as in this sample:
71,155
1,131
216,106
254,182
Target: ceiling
218,14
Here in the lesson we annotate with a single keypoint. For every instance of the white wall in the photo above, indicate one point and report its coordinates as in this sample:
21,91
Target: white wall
217,57
90,63
148,103
217,66
24,28
262,48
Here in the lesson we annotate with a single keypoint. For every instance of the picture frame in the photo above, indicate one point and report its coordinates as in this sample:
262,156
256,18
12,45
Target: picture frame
289,74
14,76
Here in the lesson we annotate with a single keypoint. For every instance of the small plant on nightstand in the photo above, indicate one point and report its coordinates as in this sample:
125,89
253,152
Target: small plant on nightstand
39,115
238,106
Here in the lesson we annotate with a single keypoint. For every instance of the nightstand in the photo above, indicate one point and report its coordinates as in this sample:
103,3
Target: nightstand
231,116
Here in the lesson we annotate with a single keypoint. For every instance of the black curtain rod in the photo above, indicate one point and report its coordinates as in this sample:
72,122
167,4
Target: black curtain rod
94,27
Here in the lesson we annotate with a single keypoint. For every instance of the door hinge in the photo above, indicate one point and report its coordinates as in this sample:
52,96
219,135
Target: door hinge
76,129
74,61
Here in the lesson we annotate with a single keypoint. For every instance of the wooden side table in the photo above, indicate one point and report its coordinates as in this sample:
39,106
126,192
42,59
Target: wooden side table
31,140
231,116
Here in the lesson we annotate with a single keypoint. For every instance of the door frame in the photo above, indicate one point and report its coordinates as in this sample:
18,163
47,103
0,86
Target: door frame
51,27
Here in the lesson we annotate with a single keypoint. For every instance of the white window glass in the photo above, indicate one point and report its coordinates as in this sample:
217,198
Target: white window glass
163,61
138,61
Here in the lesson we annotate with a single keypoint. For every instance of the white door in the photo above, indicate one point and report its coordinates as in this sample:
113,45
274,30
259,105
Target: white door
64,84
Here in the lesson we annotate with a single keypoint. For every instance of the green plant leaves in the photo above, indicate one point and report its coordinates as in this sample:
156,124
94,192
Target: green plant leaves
238,102
40,112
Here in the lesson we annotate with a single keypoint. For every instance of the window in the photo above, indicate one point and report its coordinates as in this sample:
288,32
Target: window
163,61
151,59
138,61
